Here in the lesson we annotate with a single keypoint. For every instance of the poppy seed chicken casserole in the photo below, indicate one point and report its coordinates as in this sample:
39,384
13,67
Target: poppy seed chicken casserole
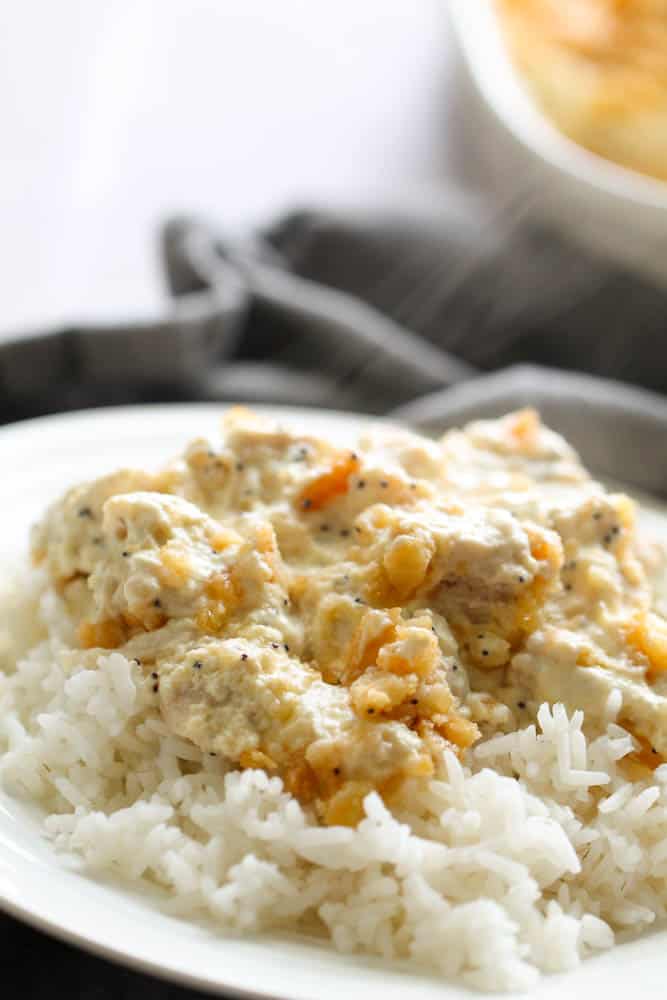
340,618
275,640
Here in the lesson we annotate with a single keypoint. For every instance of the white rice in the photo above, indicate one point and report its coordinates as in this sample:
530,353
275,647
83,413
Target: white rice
521,862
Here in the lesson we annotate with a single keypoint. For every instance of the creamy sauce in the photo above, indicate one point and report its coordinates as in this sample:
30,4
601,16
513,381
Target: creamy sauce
341,618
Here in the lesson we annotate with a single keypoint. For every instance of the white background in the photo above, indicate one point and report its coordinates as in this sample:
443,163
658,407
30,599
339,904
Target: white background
116,114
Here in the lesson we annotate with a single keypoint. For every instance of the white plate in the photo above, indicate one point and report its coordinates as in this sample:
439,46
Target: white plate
44,456
617,211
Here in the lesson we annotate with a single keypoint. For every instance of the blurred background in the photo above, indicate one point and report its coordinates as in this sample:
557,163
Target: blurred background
116,116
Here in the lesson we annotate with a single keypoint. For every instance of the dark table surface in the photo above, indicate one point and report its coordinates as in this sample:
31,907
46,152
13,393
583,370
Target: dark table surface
36,964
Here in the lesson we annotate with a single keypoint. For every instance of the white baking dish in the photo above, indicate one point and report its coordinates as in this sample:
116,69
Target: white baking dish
606,206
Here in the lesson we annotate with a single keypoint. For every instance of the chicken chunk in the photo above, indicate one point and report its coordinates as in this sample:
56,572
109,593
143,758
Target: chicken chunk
261,707
69,537
481,568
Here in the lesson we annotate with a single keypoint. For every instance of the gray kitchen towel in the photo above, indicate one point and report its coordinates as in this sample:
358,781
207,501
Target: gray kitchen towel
405,312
